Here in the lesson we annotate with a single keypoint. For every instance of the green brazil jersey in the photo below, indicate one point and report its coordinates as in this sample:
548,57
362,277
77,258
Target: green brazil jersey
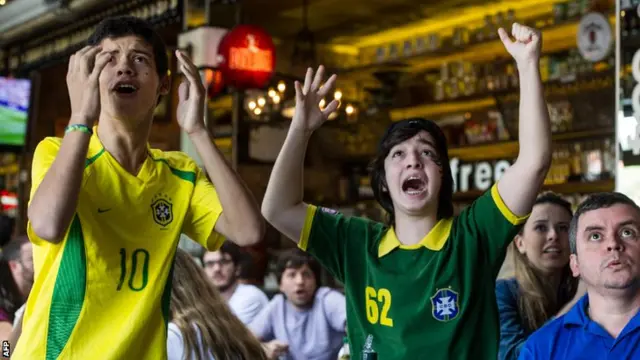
433,300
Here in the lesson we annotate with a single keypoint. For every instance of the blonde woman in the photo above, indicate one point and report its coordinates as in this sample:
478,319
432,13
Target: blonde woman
202,326
543,286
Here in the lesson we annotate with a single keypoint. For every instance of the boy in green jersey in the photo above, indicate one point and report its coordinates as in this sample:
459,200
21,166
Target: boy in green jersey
421,287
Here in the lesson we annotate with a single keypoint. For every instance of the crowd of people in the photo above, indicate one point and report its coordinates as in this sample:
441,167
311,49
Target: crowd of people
101,274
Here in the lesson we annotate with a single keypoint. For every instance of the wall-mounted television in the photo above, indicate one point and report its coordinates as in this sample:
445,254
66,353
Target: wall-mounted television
15,99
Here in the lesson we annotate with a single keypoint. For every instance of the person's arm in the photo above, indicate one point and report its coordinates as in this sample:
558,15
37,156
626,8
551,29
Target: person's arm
16,332
335,309
282,205
512,334
520,184
5,329
54,202
240,220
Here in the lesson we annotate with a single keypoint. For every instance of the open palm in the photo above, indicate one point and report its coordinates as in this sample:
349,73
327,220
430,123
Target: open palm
308,116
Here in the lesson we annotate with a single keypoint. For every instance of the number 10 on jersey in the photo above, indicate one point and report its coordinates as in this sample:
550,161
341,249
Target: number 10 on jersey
139,257
374,299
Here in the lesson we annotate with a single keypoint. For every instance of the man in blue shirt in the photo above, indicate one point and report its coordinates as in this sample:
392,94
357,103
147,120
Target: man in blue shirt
605,324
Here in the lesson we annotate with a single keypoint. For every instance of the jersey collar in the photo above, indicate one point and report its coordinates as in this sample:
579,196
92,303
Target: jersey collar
578,316
434,240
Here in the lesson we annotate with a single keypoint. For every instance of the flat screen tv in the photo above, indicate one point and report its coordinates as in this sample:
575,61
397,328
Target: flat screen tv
15,96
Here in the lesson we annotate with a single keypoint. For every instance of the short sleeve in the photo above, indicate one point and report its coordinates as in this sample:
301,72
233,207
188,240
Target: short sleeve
262,325
330,236
204,211
175,343
489,220
43,158
335,309
512,333
247,307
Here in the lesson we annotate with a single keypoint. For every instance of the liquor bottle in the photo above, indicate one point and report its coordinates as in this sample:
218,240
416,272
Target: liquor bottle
367,351
609,158
576,163
345,353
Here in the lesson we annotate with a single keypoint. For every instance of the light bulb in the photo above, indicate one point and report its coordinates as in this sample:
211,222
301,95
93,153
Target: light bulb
261,102
252,105
337,95
349,109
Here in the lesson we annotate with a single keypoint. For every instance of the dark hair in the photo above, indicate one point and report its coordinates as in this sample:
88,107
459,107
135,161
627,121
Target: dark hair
396,134
538,300
595,202
234,251
120,26
6,229
550,197
11,251
295,259
10,296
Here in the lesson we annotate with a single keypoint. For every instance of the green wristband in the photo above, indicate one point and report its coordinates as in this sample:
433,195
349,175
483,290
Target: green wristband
78,127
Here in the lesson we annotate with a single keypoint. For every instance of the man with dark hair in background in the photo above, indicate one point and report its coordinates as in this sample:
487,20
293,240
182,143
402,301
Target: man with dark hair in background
223,268
107,210
604,236
306,321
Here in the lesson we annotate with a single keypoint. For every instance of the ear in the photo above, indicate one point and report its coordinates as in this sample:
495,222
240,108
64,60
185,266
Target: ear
519,240
237,272
165,85
573,263
13,265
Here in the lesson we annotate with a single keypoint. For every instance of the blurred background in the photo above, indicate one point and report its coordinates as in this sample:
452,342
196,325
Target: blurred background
440,60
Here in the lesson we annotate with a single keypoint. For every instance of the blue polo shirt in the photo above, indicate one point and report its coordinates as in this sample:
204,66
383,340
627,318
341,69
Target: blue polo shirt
575,336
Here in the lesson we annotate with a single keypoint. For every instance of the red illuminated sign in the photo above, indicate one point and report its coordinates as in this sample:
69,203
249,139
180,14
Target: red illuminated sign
248,56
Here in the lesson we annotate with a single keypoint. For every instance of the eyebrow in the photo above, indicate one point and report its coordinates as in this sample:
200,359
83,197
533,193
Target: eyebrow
592,228
139,51
627,222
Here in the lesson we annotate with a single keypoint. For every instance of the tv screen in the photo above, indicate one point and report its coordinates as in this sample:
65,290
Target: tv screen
14,111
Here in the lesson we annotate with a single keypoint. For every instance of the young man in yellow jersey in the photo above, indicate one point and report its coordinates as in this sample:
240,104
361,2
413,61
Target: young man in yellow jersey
107,211
421,287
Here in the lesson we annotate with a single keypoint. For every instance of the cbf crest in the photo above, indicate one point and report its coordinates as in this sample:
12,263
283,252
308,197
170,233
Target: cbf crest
162,209
444,305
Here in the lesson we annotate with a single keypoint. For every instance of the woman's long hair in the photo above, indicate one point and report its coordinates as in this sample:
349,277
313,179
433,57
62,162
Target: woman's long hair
10,297
196,305
539,300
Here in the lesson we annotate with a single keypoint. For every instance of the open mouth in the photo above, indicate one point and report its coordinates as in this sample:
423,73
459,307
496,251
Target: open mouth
552,250
125,88
414,185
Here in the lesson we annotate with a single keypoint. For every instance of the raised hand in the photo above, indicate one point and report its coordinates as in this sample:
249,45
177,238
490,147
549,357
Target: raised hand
527,45
84,71
308,116
192,96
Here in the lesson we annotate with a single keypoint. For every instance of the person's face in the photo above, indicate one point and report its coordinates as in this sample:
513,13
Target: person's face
299,285
545,238
129,83
220,268
413,175
607,250
22,268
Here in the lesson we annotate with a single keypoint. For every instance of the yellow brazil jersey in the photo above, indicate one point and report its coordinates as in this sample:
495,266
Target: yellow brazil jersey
104,291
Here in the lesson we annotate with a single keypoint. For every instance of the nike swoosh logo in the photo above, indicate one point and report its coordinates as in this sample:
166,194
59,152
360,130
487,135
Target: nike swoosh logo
100,211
